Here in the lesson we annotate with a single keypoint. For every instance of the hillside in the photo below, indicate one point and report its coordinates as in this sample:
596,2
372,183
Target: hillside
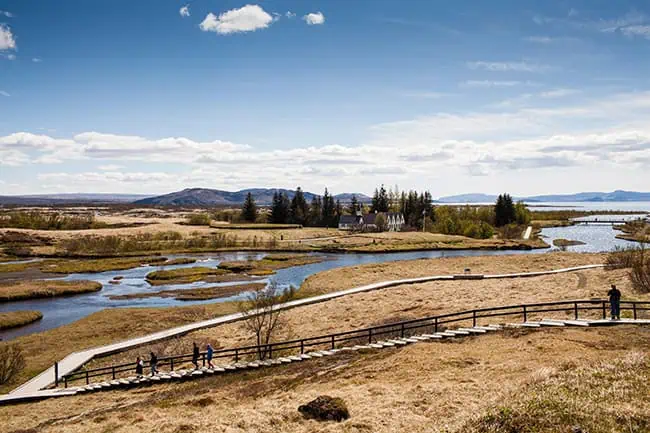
73,198
211,197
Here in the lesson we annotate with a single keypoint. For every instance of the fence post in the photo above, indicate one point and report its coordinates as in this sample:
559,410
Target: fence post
474,318
302,347
113,371
370,336
236,355
604,310
171,364
525,314
270,351
56,374
87,378
402,331
435,326
203,356
65,381
575,310
332,342
634,310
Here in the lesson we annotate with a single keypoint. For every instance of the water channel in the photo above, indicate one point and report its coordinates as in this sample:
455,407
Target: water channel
64,310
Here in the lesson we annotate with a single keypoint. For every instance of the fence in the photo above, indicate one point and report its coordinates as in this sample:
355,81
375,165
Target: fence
433,324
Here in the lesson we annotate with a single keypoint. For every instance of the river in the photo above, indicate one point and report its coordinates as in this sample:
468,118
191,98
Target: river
64,310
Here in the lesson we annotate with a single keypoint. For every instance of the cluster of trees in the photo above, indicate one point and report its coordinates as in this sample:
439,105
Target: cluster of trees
416,207
321,212
507,212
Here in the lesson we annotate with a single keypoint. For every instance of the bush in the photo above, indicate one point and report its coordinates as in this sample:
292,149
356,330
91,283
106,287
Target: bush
48,221
198,219
12,361
637,260
325,408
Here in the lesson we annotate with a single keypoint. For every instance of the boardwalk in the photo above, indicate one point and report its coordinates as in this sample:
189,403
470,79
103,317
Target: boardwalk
75,360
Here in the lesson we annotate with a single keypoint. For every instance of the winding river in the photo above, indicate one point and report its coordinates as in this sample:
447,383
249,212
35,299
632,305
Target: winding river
61,311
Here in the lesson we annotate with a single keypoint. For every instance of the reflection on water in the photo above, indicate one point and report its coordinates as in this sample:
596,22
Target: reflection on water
60,311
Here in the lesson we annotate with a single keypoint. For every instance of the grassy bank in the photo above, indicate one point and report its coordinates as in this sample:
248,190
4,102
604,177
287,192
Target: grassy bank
15,319
188,275
436,387
269,264
35,289
98,265
199,294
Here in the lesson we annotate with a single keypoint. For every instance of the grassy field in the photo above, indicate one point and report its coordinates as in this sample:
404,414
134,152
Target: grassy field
546,382
35,289
15,319
198,294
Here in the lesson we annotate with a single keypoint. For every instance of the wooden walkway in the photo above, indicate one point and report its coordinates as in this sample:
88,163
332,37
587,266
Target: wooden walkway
36,387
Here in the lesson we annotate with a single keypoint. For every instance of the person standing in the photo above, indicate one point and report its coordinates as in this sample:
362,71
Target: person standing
139,367
195,356
210,353
153,362
615,302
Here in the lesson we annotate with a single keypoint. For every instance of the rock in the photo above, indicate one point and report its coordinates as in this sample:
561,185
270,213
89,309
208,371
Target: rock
325,408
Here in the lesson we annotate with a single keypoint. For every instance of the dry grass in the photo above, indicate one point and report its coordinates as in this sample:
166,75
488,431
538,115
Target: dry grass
35,289
14,319
98,265
436,387
270,263
199,294
185,275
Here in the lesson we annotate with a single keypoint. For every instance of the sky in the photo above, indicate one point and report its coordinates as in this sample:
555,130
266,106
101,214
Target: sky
153,96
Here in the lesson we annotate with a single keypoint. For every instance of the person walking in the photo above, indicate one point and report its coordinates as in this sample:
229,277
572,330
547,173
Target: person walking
210,353
195,356
139,367
153,362
615,302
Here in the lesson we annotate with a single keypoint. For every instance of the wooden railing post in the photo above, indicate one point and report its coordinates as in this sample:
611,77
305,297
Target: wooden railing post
65,381
270,351
474,318
302,347
370,336
236,355
171,364
203,356
604,310
575,310
525,314
435,325
56,374
634,309
113,371
332,342
87,378
402,331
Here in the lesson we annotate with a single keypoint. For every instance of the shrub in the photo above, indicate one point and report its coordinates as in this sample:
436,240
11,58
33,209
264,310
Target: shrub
637,260
48,221
198,219
12,361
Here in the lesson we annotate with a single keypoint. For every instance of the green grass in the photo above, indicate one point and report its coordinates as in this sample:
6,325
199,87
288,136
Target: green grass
36,289
183,275
14,319
99,265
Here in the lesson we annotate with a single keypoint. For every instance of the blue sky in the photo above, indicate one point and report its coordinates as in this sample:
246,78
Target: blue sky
151,96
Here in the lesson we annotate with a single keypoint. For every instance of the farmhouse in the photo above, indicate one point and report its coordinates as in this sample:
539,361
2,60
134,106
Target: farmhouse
393,221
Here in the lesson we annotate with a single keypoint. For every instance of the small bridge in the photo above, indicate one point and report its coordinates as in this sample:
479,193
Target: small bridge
598,221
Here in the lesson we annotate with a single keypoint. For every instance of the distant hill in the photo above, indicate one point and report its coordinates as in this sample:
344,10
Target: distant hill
617,195
212,197
60,199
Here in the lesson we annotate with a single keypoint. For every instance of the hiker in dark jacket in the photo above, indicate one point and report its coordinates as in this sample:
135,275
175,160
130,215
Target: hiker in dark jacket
153,362
615,302
139,367
210,353
195,356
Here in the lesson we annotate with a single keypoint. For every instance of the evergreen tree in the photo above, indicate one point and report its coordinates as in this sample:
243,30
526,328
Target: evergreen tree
299,210
316,212
504,210
280,208
380,201
249,209
354,205
329,209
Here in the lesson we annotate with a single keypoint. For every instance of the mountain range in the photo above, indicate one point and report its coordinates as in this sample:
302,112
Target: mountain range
212,197
618,195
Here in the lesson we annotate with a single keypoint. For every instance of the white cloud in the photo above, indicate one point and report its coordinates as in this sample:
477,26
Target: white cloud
111,167
36,60
7,14
184,11
290,14
11,56
314,18
245,19
3,93
7,40
539,39
643,31
492,83
508,66
558,93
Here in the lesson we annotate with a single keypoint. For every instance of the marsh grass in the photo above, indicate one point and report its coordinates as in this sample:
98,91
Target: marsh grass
198,294
184,275
15,319
98,265
36,289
